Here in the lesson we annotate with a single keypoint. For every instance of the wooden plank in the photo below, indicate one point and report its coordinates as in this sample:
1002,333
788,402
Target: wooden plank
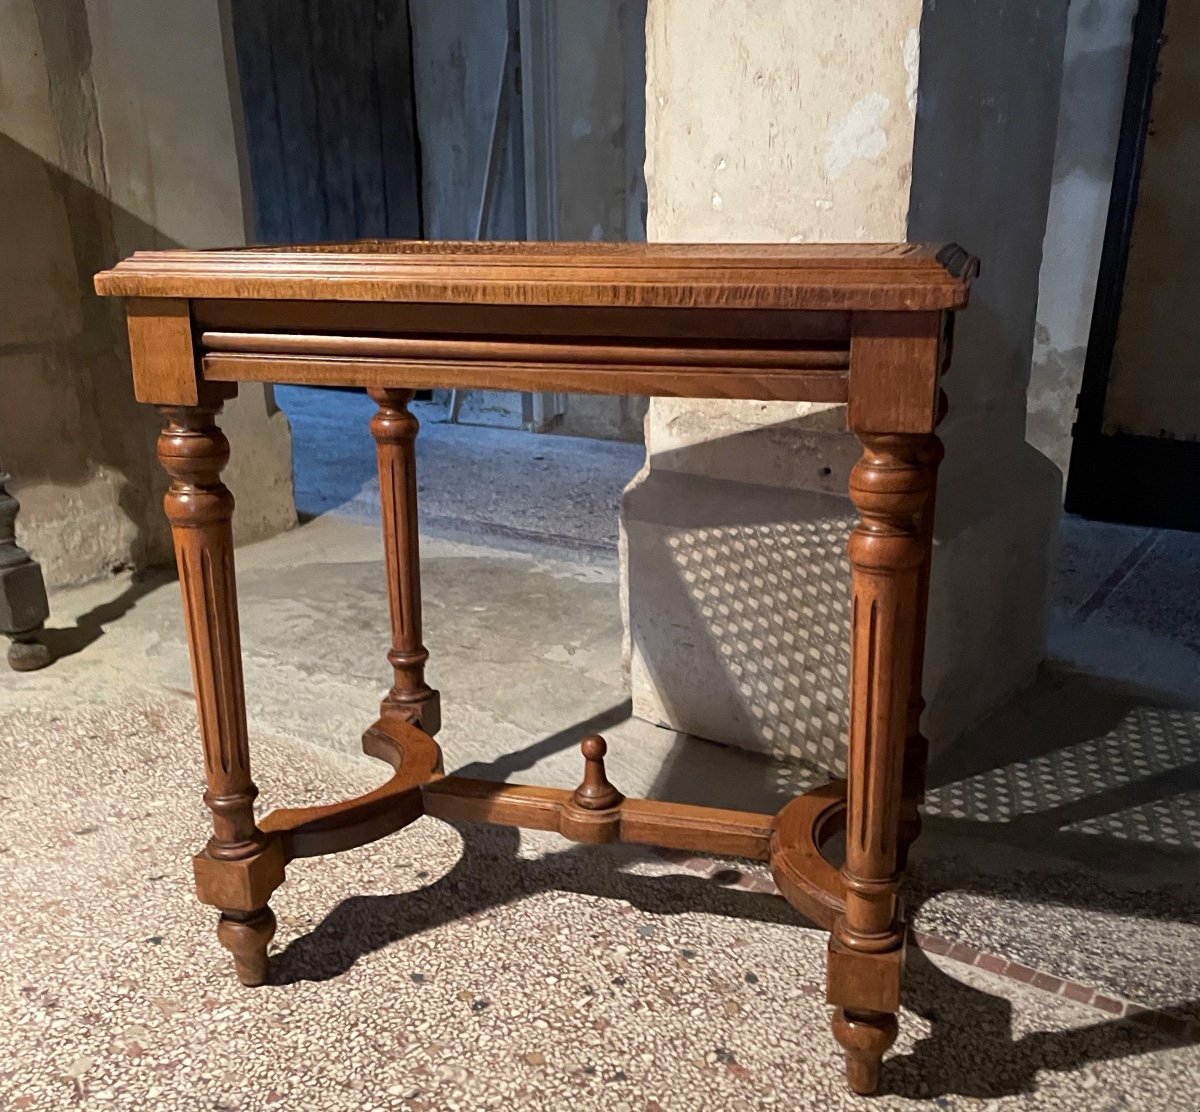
671,382
462,799
712,830
391,56
300,116
642,821
797,330
533,350
716,276
333,135
356,28
264,139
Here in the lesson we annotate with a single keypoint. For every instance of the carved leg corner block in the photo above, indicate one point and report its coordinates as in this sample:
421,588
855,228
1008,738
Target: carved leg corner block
243,884
865,989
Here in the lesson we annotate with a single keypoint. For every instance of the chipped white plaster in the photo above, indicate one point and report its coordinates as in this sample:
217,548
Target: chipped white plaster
857,135
912,62
1096,60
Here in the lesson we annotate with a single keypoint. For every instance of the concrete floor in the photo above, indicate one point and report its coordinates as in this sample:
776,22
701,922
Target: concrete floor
1054,894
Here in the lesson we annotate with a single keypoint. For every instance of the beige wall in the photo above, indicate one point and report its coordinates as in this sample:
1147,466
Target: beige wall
774,139
116,133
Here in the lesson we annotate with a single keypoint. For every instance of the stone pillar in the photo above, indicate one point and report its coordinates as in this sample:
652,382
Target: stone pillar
883,120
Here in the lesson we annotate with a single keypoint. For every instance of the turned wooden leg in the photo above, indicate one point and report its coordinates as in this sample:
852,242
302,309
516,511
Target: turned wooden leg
916,745
395,432
239,867
890,487
246,935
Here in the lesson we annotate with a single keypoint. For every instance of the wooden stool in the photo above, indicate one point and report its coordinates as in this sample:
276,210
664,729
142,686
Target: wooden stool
868,325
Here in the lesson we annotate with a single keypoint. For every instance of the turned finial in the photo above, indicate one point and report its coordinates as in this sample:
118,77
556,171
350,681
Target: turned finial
595,793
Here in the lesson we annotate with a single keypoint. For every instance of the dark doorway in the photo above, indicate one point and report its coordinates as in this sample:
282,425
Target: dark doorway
330,119
1136,445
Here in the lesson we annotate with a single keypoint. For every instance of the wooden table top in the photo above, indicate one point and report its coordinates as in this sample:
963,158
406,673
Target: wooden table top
770,322
817,277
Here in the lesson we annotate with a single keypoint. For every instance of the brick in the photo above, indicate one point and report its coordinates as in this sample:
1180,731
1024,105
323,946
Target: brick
1108,1004
933,944
1047,982
1019,972
960,951
1081,994
991,963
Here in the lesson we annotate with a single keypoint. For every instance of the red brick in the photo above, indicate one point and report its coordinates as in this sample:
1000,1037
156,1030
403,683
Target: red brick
1019,972
1079,993
1108,1004
1047,982
960,951
933,944
991,963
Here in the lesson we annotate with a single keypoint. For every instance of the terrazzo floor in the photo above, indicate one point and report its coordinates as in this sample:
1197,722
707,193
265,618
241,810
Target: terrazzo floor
1054,894
456,969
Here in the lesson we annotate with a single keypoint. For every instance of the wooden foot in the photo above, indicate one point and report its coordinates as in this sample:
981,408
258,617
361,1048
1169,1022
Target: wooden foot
246,935
865,1037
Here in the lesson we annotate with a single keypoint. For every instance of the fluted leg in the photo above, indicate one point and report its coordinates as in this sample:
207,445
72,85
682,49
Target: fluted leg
395,432
916,746
239,867
890,486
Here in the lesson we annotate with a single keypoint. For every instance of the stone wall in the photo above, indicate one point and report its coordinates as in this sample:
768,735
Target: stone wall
117,132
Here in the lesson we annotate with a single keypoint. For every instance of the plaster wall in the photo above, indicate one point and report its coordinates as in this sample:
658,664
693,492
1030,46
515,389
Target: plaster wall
1095,67
116,133
873,121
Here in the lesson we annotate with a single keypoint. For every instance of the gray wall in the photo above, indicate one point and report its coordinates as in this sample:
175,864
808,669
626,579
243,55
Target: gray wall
599,98
116,133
